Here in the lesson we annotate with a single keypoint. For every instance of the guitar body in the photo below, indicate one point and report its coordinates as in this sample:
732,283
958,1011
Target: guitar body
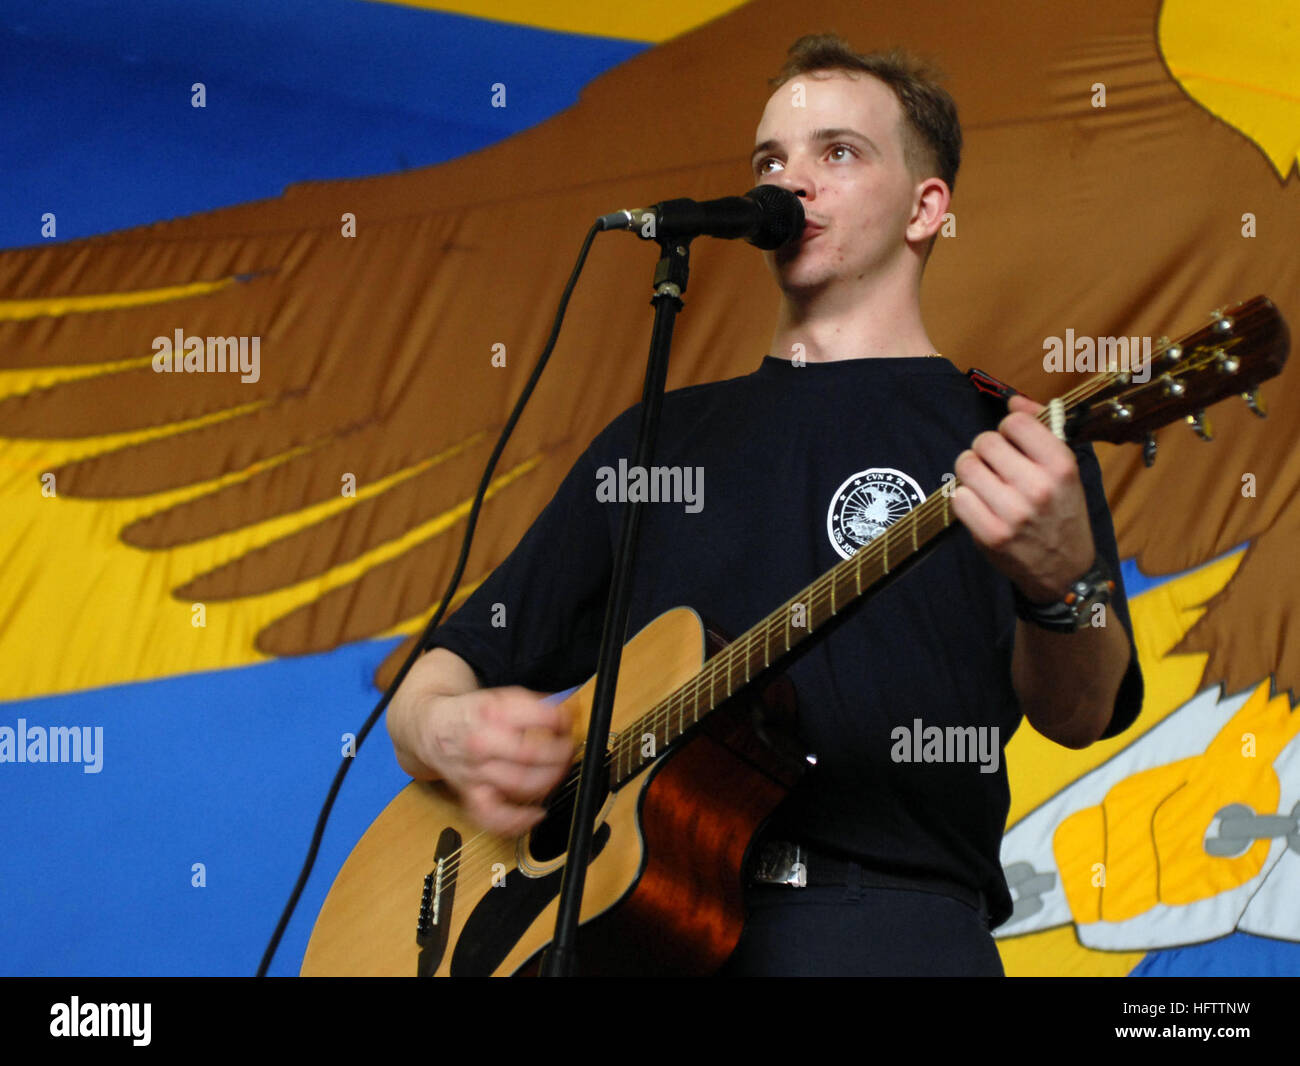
663,889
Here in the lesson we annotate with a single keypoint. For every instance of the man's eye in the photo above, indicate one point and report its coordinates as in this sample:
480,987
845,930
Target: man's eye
763,165
841,148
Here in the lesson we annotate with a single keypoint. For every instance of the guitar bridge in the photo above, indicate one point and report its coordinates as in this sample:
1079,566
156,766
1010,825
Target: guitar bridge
437,897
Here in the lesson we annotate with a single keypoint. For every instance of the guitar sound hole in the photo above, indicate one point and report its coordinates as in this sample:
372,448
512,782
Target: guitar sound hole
550,837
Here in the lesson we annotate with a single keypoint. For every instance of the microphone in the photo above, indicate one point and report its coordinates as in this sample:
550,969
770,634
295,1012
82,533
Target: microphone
767,216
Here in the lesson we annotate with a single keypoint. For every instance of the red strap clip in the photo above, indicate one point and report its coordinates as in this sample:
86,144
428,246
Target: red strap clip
986,382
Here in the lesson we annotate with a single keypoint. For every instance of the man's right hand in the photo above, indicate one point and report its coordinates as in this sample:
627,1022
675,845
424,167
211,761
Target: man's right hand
503,750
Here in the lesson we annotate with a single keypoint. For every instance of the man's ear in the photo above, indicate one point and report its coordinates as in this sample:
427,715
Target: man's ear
932,199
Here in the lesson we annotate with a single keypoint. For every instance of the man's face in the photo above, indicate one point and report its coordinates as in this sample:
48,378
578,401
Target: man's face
842,150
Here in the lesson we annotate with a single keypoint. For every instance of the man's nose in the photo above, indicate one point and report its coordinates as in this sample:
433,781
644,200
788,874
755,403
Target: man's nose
795,179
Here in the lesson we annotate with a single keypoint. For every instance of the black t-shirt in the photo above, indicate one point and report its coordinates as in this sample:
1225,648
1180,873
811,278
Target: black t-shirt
780,475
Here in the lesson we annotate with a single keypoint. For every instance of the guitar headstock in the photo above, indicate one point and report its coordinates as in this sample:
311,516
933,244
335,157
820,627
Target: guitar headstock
1230,355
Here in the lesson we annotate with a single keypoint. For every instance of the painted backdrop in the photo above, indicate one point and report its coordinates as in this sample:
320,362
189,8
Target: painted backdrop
206,578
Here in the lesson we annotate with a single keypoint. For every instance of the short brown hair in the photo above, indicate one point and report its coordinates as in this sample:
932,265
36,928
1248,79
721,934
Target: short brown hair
931,132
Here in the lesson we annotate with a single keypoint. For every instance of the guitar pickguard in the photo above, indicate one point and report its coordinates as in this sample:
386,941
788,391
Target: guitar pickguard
504,915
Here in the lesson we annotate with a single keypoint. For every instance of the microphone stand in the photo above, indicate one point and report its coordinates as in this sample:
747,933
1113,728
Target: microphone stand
670,277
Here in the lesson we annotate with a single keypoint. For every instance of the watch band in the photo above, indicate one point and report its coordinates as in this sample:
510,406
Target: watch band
1070,613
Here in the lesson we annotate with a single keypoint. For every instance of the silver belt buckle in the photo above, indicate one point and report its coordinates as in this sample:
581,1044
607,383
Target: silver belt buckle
780,863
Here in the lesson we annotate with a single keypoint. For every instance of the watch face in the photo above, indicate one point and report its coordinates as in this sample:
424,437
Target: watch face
1091,589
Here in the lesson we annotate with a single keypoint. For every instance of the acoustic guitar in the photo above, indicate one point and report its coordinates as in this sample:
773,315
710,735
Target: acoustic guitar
702,748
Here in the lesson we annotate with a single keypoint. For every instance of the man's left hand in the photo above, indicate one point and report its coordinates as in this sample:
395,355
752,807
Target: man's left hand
1020,496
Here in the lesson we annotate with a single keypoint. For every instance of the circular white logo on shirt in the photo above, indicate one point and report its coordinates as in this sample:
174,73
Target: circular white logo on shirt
866,504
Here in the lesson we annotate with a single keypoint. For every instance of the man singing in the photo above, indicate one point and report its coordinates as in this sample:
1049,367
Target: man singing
880,862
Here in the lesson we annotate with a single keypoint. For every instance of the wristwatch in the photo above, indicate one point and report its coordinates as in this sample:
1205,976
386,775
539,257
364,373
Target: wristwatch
1070,613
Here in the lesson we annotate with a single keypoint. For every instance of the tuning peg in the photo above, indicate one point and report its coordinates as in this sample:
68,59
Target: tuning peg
1255,404
1199,425
1222,323
1171,387
1227,364
1149,449
1119,412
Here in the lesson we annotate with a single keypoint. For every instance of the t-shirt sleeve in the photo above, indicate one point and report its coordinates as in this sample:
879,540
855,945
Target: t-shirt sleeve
536,619
1128,701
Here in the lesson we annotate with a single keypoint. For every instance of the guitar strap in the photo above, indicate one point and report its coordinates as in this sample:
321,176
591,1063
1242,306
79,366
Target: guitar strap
991,386
999,392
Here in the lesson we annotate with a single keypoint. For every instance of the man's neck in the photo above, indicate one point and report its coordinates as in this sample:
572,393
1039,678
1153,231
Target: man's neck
841,323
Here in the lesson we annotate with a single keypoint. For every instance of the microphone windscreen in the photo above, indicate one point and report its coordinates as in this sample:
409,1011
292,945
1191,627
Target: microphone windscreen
782,216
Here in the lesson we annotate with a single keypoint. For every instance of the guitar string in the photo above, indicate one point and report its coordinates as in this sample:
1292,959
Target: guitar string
690,693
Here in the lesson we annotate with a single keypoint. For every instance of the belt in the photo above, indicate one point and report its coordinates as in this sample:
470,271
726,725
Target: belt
779,862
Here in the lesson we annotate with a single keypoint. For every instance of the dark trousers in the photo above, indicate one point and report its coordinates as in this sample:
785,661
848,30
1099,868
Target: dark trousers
853,930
